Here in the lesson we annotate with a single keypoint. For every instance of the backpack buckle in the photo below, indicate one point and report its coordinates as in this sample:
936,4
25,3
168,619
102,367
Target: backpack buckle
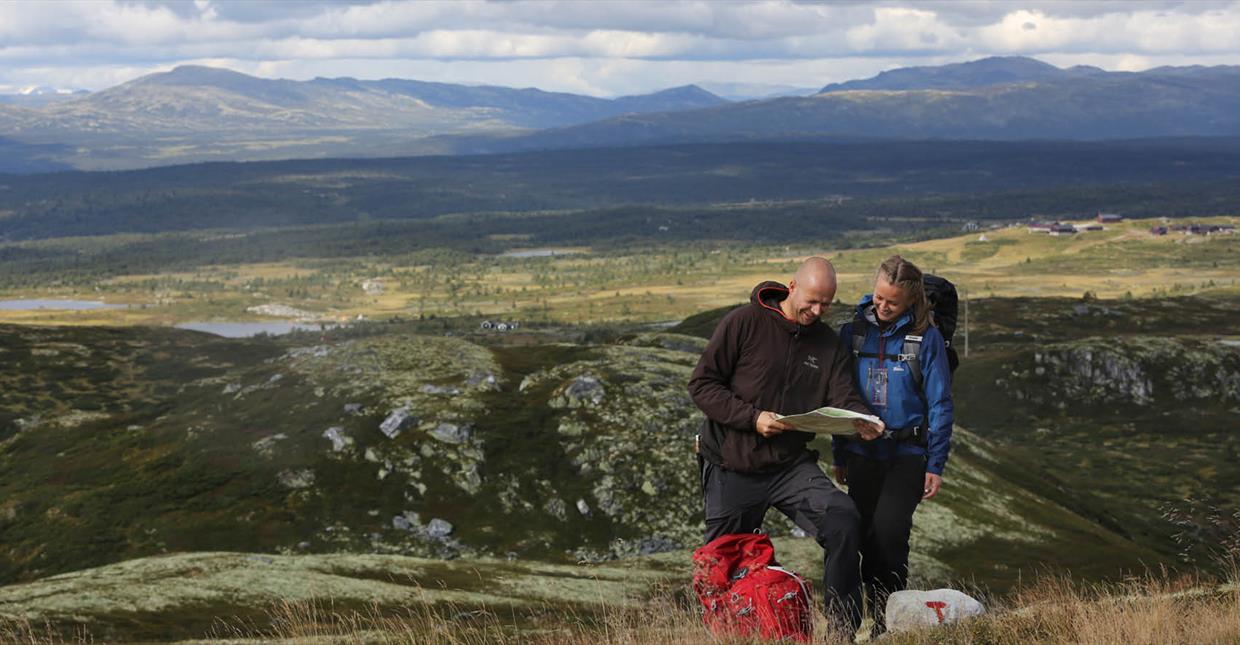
906,357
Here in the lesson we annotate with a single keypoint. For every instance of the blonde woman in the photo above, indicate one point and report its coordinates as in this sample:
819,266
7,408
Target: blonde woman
894,343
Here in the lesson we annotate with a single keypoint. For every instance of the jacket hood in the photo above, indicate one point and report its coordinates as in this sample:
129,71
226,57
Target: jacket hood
768,295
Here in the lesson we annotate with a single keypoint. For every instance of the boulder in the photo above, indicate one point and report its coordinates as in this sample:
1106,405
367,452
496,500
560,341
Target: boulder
407,521
398,420
482,380
439,529
583,391
339,439
297,479
452,433
908,610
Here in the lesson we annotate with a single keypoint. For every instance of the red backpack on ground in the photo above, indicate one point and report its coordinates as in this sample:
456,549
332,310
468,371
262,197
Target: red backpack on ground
745,593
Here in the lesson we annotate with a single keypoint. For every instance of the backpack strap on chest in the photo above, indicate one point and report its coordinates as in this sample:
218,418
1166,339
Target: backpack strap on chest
859,331
911,354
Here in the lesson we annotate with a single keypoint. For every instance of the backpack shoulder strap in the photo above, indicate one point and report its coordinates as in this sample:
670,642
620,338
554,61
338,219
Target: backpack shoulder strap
911,354
859,331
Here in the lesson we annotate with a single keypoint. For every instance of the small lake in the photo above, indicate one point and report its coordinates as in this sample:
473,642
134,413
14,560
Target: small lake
73,305
538,253
247,329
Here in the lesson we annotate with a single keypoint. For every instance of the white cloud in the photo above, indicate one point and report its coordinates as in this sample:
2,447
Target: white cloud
597,47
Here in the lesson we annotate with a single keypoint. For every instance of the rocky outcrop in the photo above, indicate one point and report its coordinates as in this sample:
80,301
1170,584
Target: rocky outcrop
626,427
1138,371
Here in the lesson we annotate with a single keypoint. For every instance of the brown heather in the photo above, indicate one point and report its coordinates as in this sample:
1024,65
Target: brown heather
1155,609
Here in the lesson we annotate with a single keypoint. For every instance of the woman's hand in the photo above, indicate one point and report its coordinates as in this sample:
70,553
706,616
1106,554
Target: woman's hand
841,474
931,488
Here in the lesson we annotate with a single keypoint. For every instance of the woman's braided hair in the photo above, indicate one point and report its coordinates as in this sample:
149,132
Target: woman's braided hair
905,275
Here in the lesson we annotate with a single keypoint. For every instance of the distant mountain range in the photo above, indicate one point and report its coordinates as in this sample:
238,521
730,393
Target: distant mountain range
200,113
192,99
997,70
991,99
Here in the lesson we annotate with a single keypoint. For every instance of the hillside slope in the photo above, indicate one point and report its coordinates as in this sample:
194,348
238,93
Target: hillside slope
125,443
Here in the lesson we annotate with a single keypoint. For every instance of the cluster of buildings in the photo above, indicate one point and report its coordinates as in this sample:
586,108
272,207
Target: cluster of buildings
1194,229
1058,228
1062,228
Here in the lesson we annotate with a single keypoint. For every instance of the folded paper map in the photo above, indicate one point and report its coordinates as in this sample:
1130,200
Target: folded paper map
826,421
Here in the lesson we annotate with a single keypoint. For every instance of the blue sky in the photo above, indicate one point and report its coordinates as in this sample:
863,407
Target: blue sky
593,47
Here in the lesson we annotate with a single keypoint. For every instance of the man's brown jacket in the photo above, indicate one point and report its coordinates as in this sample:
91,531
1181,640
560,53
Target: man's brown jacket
759,360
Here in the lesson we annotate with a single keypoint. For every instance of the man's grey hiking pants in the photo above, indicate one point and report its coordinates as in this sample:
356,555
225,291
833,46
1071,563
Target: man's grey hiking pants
736,503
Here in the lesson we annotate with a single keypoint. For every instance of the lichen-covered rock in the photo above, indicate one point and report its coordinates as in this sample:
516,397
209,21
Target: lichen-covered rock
584,390
397,421
266,446
297,479
452,433
633,448
1131,370
674,342
340,440
438,529
439,389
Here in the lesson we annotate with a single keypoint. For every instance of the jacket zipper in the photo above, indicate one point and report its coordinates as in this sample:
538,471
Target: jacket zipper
783,392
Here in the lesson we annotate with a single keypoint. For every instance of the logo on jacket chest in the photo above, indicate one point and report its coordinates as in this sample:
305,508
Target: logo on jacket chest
811,362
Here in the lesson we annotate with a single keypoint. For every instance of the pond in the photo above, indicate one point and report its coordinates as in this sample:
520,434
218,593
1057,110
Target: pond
246,329
74,305
539,253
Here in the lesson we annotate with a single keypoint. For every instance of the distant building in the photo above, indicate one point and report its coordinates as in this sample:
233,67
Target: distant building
1204,229
1158,230
1062,229
1109,218
1094,227
372,287
1041,227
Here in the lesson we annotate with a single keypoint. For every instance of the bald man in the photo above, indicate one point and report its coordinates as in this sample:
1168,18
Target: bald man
776,355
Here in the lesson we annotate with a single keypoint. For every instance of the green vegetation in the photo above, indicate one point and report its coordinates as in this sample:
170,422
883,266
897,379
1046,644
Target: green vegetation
412,457
728,191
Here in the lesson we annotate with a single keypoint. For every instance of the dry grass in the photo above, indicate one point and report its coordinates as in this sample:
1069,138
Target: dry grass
22,631
1153,609
1150,610
662,620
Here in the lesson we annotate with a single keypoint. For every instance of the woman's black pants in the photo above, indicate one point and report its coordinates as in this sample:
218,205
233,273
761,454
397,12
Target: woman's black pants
886,494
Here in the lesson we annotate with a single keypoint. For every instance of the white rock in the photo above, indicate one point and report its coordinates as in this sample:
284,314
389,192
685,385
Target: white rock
395,422
339,439
907,610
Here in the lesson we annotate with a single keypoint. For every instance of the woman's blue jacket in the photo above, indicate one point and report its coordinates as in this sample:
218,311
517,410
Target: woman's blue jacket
905,407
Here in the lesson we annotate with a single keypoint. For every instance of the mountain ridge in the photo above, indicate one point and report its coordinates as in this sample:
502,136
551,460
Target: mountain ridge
195,98
195,113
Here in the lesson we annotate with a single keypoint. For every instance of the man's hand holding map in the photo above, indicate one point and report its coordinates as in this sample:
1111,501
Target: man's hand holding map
829,421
